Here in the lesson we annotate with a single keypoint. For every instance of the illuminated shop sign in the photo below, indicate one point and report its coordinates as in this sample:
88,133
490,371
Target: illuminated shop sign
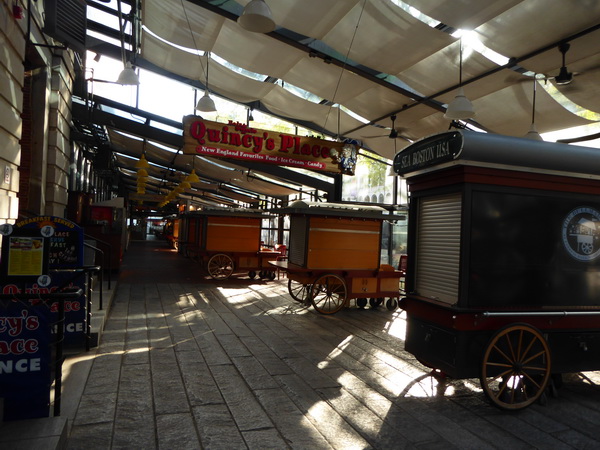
238,141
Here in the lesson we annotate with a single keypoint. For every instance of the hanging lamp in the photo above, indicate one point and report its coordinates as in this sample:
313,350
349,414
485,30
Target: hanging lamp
257,17
533,133
461,107
206,104
192,177
128,76
142,162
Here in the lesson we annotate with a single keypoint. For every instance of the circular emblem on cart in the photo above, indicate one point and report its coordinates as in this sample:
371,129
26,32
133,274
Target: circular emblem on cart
581,233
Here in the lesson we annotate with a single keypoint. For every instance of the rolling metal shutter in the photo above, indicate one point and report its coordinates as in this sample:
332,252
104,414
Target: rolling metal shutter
298,237
438,247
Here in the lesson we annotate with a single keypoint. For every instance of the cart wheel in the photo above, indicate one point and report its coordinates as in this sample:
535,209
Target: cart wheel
515,367
252,274
298,291
391,304
375,302
361,302
271,275
328,294
220,266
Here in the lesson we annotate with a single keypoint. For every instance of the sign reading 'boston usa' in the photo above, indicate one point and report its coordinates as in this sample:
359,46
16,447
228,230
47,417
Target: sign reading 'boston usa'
428,152
239,141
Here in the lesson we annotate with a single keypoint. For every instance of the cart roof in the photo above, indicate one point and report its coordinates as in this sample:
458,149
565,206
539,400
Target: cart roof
230,212
339,210
463,147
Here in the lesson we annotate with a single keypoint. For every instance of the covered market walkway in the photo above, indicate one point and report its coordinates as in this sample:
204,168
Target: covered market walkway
189,362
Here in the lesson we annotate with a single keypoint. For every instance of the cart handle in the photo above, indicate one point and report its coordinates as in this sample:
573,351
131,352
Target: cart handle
541,313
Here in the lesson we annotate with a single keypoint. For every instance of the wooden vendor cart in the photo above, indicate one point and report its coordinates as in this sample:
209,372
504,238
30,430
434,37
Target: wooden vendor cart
503,278
334,256
226,241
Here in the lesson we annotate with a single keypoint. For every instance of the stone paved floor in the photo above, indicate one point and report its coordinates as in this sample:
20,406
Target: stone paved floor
190,363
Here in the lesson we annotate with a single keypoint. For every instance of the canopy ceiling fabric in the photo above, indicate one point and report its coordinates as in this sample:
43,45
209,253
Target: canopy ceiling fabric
382,38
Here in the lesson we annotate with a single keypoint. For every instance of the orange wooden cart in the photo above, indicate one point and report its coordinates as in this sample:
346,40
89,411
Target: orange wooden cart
226,241
334,256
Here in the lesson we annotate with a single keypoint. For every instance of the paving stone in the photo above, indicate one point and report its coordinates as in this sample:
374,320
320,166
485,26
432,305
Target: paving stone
293,425
254,373
167,385
96,436
263,439
96,408
217,429
330,424
233,346
198,380
176,431
134,431
211,349
244,407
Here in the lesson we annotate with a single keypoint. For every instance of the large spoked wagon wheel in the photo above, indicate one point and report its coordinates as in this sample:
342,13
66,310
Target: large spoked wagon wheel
298,291
328,294
516,367
220,266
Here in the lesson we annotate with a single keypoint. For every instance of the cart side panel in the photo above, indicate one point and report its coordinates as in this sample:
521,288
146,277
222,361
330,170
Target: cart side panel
364,286
534,249
336,243
233,234
248,262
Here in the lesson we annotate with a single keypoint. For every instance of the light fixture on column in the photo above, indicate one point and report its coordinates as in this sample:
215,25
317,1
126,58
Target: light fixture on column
206,103
127,76
533,133
461,107
257,17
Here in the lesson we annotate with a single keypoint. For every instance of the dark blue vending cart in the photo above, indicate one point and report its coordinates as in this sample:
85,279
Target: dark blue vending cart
503,279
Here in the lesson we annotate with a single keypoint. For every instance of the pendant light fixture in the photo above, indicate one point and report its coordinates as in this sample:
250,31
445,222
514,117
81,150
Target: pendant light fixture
128,76
533,133
192,177
206,104
257,17
461,107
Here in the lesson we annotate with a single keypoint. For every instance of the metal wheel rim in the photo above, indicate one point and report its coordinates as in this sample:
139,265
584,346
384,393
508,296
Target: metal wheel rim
516,367
220,266
328,294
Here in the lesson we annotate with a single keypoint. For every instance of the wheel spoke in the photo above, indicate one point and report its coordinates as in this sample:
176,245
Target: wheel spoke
495,364
500,375
532,380
510,347
533,340
504,355
540,353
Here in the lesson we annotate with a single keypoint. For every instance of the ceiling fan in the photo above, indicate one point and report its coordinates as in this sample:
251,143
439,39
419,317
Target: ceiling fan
394,132
564,76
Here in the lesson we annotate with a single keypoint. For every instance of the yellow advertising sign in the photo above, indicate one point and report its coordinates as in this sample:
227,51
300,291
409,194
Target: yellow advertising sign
239,141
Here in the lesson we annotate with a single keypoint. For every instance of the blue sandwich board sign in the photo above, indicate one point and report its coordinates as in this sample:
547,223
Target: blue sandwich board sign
34,251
